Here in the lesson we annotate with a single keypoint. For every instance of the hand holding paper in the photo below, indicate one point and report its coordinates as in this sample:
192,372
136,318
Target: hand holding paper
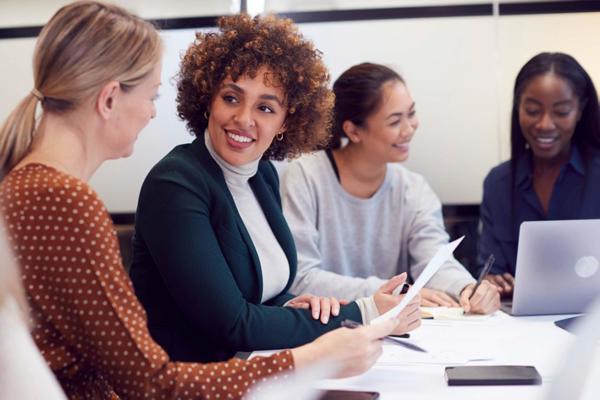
432,267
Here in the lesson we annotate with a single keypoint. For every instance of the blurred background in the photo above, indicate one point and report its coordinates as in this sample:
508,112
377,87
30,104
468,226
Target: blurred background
459,59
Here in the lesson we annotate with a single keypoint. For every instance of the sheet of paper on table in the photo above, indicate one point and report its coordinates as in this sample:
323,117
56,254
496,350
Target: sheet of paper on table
396,355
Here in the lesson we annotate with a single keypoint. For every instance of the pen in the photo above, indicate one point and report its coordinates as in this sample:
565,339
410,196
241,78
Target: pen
483,273
348,323
401,289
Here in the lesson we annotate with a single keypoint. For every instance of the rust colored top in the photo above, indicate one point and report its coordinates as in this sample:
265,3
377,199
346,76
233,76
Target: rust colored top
87,321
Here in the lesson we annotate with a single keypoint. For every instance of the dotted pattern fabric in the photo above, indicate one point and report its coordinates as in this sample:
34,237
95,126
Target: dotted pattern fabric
88,324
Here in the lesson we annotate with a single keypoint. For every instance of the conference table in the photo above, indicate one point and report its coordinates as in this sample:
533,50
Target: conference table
498,340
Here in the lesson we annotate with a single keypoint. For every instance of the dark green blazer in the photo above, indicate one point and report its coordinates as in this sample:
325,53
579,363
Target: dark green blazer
196,270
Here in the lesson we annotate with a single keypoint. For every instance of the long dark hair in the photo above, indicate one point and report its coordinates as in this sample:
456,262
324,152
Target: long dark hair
357,95
587,130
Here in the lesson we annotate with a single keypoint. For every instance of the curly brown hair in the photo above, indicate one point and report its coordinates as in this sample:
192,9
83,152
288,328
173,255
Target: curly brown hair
241,47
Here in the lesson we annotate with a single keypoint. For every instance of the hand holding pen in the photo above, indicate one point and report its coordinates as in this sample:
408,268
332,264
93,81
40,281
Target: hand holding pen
481,297
388,296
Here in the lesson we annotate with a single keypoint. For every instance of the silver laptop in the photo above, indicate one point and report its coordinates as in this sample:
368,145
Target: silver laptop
558,267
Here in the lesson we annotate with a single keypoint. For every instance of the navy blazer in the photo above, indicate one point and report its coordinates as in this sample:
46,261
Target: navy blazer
195,268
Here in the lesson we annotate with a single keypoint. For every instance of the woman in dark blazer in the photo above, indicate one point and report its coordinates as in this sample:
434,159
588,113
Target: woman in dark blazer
213,256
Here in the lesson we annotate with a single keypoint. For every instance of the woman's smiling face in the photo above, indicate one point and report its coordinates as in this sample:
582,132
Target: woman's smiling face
549,111
387,132
245,116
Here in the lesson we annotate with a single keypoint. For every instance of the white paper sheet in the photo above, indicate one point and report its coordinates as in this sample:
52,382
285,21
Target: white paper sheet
395,355
432,267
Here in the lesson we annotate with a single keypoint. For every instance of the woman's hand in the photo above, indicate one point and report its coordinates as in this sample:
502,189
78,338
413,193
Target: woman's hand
504,282
321,307
486,299
410,317
353,350
436,298
384,299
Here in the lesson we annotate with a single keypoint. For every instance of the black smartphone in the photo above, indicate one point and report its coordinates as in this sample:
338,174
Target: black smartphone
475,375
348,395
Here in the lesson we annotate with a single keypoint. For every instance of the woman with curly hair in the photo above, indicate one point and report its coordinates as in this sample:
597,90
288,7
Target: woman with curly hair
86,320
213,256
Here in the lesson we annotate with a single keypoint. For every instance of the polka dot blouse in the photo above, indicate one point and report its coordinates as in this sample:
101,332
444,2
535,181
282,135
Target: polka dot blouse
88,324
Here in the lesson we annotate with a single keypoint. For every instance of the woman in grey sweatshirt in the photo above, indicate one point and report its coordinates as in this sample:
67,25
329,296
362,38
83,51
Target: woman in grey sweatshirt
357,216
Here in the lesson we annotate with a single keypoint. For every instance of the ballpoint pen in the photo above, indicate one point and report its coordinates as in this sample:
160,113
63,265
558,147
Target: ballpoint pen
401,289
485,270
348,323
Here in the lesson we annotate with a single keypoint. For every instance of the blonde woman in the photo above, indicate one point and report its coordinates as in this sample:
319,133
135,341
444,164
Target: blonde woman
96,73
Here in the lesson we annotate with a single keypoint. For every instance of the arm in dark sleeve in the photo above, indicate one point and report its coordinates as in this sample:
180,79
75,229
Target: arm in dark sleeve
279,300
489,242
175,223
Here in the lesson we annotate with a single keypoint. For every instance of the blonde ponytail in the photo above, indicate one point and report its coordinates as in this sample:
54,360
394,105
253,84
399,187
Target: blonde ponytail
17,133
84,45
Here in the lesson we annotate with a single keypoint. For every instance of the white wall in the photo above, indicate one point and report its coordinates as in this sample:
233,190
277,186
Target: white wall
312,5
449,69
118,182
460,72
521,37
35,12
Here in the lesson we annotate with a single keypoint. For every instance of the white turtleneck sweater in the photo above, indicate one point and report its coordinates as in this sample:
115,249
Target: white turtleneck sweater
273,262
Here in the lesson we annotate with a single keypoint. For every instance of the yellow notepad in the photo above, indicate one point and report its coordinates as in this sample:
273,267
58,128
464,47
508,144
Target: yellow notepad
449,313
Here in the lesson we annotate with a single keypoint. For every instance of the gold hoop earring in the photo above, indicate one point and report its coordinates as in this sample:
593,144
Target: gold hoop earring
280,137
206,114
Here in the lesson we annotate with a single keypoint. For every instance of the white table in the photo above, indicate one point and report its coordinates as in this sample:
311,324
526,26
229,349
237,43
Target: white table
507,340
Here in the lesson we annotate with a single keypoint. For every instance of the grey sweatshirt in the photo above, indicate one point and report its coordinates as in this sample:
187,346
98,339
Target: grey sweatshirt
349,246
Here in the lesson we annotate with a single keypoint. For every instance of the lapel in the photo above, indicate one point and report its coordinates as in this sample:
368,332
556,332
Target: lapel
268,201
213,169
